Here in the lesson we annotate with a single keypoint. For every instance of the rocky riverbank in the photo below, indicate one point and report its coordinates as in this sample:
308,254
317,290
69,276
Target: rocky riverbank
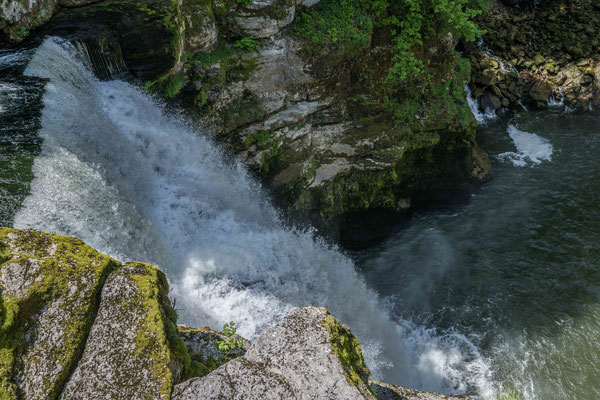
75,324
536,54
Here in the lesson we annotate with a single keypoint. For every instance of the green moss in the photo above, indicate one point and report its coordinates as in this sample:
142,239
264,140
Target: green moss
72,265
157,335
348,351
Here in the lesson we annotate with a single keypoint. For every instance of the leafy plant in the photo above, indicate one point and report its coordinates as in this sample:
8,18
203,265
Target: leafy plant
246,44
230,344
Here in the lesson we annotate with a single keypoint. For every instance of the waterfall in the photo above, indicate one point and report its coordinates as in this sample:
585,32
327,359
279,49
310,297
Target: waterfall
119,172
481,117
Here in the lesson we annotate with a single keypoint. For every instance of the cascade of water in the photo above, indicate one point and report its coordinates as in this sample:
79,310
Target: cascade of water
481,117
137,184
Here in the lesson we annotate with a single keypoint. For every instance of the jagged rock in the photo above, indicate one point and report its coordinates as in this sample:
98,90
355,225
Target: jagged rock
50,288
309,355
385,391
318,357
133,350
237,380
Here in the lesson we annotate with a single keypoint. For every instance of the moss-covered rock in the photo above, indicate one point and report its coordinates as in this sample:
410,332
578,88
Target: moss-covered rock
335,370
49,294
133,350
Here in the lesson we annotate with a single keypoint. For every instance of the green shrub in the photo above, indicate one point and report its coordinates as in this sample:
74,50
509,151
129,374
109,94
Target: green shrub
232,342
246,44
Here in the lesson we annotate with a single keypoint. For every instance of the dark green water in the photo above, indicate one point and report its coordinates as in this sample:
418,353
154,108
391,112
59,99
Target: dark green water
517,268
20,110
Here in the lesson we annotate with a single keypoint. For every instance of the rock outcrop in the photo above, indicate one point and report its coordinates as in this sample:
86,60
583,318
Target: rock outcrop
138,359
76,324
309,112
18,18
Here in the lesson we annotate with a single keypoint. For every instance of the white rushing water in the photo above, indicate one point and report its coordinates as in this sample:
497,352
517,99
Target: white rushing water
481,117
530,148
119,173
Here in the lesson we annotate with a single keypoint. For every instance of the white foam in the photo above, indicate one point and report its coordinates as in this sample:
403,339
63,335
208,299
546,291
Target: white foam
530,148
139,185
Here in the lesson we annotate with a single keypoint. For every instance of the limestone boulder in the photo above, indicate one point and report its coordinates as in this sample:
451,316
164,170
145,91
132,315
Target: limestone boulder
541,90
309,355
133,350
49,293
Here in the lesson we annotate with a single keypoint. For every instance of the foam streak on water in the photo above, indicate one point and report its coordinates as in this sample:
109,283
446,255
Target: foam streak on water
530,148
139,185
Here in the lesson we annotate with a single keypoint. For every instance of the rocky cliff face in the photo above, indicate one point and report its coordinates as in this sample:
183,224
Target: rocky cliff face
76,324
306,106
536,53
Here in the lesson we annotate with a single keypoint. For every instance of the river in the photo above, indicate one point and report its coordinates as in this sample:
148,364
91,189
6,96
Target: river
500,287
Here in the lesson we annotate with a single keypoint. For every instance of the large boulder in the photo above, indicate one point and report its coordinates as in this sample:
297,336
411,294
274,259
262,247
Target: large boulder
133,350
309,355
49,293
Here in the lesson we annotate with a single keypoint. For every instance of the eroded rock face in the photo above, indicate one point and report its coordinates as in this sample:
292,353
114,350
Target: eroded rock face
131,350
49,287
